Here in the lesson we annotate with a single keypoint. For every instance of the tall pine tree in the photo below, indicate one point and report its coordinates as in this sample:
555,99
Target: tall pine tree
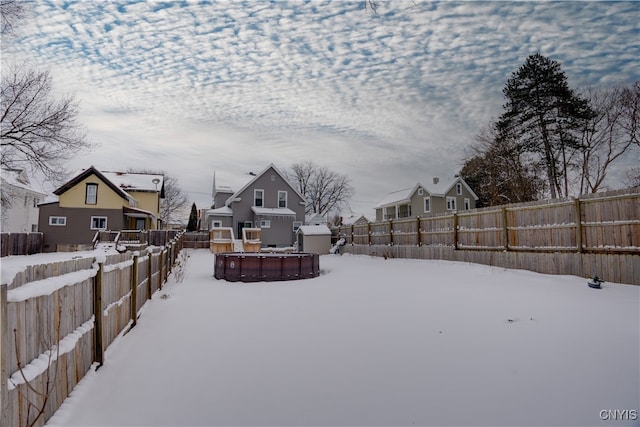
544,116
192,225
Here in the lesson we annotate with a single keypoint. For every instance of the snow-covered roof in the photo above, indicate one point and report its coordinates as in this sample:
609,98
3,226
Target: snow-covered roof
395,197
223,211
314,230
235,195
19,179
353,218
135,181
273,211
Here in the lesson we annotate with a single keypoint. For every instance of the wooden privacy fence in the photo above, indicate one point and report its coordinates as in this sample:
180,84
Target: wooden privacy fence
56,320
603,224
21,244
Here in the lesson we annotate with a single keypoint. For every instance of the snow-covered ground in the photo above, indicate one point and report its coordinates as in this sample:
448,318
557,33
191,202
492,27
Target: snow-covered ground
371,342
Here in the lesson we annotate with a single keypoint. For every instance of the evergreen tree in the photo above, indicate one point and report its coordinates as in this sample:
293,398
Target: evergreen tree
192,225
545,118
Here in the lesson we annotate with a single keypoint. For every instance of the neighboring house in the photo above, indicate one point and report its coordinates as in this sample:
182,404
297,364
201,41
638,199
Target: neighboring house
20,214
440,196
315,219
353,219
268,202
93,201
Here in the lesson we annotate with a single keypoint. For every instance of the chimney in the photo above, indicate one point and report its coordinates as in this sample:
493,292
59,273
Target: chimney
436,180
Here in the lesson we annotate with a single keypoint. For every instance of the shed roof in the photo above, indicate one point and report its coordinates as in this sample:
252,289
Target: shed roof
314,230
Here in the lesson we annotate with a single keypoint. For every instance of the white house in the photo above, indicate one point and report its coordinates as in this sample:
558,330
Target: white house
20,213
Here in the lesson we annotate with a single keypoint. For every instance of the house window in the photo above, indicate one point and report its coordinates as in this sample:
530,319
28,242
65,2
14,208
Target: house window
467,204
34,228
458,189
98,222
58,220
451,203
282,199
296,225
420,192
91,196
216,224
265,223
248,224
258,198
427,204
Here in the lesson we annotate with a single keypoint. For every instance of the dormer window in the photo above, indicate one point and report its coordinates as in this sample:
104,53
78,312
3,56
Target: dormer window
258,198
458,189
91,195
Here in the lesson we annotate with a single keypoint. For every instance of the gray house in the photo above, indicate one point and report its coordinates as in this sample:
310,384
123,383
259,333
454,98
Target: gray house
440,196
268,202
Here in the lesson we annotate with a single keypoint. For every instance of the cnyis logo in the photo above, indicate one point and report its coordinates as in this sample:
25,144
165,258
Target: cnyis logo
619,414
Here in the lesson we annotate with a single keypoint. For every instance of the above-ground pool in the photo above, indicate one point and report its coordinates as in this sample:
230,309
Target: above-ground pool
266,267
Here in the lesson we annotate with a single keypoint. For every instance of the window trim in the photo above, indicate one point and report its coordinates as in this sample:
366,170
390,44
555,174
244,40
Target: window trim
285,198
57,218
467,204
91,225
86,193
265,223
296,225
451,203
255,198
424,204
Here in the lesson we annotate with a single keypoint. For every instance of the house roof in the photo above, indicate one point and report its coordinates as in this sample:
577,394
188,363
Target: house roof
223,211
314,230
18,178
88,172
273,211
353,218
442,187
250,183
445,185
130,181
120,182
400,196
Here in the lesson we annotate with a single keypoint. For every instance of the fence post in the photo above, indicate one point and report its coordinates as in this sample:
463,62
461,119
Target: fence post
390,232
134,292
4,349
149,273
455,231
419,240
161,269
578,225
98,350
505,229
368,233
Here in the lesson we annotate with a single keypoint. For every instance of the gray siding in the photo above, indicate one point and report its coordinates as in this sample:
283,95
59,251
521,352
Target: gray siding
77,230
281,231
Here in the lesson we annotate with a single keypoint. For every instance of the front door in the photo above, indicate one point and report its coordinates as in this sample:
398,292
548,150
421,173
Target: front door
241,225
140,223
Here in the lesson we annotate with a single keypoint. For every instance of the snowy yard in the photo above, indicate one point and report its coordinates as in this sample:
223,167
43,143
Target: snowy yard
371,342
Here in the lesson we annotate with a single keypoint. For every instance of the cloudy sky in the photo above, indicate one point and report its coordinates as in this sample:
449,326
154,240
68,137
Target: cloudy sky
389,99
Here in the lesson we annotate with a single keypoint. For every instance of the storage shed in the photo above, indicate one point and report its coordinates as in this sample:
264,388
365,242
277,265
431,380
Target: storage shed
314,239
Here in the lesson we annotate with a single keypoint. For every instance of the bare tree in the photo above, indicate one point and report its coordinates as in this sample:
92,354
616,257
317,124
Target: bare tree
174,203
609,134
37,132
498,172
323,189
10,12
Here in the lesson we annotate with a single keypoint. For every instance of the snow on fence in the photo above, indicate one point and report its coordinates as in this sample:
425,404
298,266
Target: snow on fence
57,319
603,229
